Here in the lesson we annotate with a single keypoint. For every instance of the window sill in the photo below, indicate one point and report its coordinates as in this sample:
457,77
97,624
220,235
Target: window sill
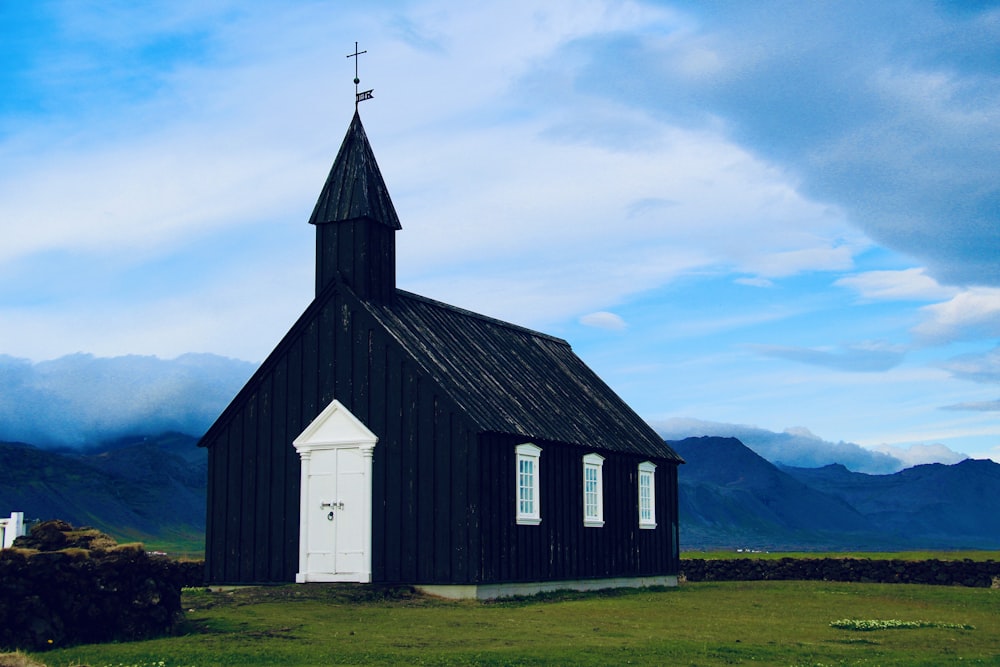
593,523
528,521
647,526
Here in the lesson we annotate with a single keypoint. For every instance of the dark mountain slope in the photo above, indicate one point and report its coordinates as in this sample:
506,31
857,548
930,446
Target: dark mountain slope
135,490
153,489
730,496
957,505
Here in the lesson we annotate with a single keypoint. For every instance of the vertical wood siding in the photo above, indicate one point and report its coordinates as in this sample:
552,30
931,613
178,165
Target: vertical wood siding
561,547
361,253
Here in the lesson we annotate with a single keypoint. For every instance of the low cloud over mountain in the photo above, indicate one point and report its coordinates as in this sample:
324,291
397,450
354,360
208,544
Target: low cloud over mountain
800,448
81,399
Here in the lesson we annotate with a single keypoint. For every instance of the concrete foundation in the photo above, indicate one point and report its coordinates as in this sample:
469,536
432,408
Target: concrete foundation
493,591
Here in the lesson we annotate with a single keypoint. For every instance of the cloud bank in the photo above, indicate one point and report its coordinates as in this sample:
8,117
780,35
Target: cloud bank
889,109
80,399
799,447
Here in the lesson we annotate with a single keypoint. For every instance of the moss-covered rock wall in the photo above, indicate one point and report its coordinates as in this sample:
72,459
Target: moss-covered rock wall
893,571
61,585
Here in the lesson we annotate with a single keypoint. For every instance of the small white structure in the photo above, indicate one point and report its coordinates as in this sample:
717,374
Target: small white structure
11,529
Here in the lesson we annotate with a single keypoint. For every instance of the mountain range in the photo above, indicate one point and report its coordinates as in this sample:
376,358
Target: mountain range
147,489
731,497
152,489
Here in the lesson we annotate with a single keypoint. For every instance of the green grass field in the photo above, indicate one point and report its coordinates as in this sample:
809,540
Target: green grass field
979,556
774,622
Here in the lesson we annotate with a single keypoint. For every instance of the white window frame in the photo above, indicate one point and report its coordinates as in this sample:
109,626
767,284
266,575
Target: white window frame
647,502
527,485
593,512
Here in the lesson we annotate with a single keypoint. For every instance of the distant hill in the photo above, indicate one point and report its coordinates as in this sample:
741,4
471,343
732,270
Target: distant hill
136,489
152,490
732,498
943,504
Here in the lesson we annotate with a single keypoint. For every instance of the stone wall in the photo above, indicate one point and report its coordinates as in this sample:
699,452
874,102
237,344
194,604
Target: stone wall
948,573
62,586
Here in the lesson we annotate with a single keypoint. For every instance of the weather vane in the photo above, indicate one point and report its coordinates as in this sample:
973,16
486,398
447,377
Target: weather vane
364,94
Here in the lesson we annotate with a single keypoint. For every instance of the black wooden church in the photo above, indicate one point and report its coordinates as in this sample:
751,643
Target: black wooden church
391,438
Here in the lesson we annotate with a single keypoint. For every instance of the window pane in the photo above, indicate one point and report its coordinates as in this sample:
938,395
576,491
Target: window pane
527,480
590,497
644,495
647,511
526,487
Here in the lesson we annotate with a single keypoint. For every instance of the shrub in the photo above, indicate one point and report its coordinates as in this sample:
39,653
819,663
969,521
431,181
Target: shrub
869,625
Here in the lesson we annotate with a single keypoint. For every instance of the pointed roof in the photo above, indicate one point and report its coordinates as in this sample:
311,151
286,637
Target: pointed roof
354,188
504,378
513,380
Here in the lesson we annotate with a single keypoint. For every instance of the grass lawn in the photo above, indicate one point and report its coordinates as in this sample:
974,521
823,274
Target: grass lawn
978,556
772,622
189,544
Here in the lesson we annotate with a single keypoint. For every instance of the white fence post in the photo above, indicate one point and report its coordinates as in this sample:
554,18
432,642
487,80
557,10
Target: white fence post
11,529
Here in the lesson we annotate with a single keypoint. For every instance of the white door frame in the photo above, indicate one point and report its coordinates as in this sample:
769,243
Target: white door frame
334,429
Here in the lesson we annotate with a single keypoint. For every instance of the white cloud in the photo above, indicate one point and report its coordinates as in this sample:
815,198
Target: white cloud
796,446
144,197
976,406
864,357
919,454
754,282
790,262
907,284
581,226
969,315
976,367
604,320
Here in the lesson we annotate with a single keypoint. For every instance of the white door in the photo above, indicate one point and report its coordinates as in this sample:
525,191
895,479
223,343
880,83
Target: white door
335,509
337,513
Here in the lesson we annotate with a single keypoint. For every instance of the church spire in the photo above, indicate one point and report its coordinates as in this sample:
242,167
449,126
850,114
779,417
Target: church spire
354,188
355,220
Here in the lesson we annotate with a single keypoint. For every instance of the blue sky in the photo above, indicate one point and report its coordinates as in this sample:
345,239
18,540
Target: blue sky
776,216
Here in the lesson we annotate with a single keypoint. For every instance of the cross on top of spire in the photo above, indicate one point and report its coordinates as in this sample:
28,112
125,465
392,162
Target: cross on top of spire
365,94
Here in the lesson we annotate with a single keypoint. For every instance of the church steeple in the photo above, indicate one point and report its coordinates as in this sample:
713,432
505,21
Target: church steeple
356,222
